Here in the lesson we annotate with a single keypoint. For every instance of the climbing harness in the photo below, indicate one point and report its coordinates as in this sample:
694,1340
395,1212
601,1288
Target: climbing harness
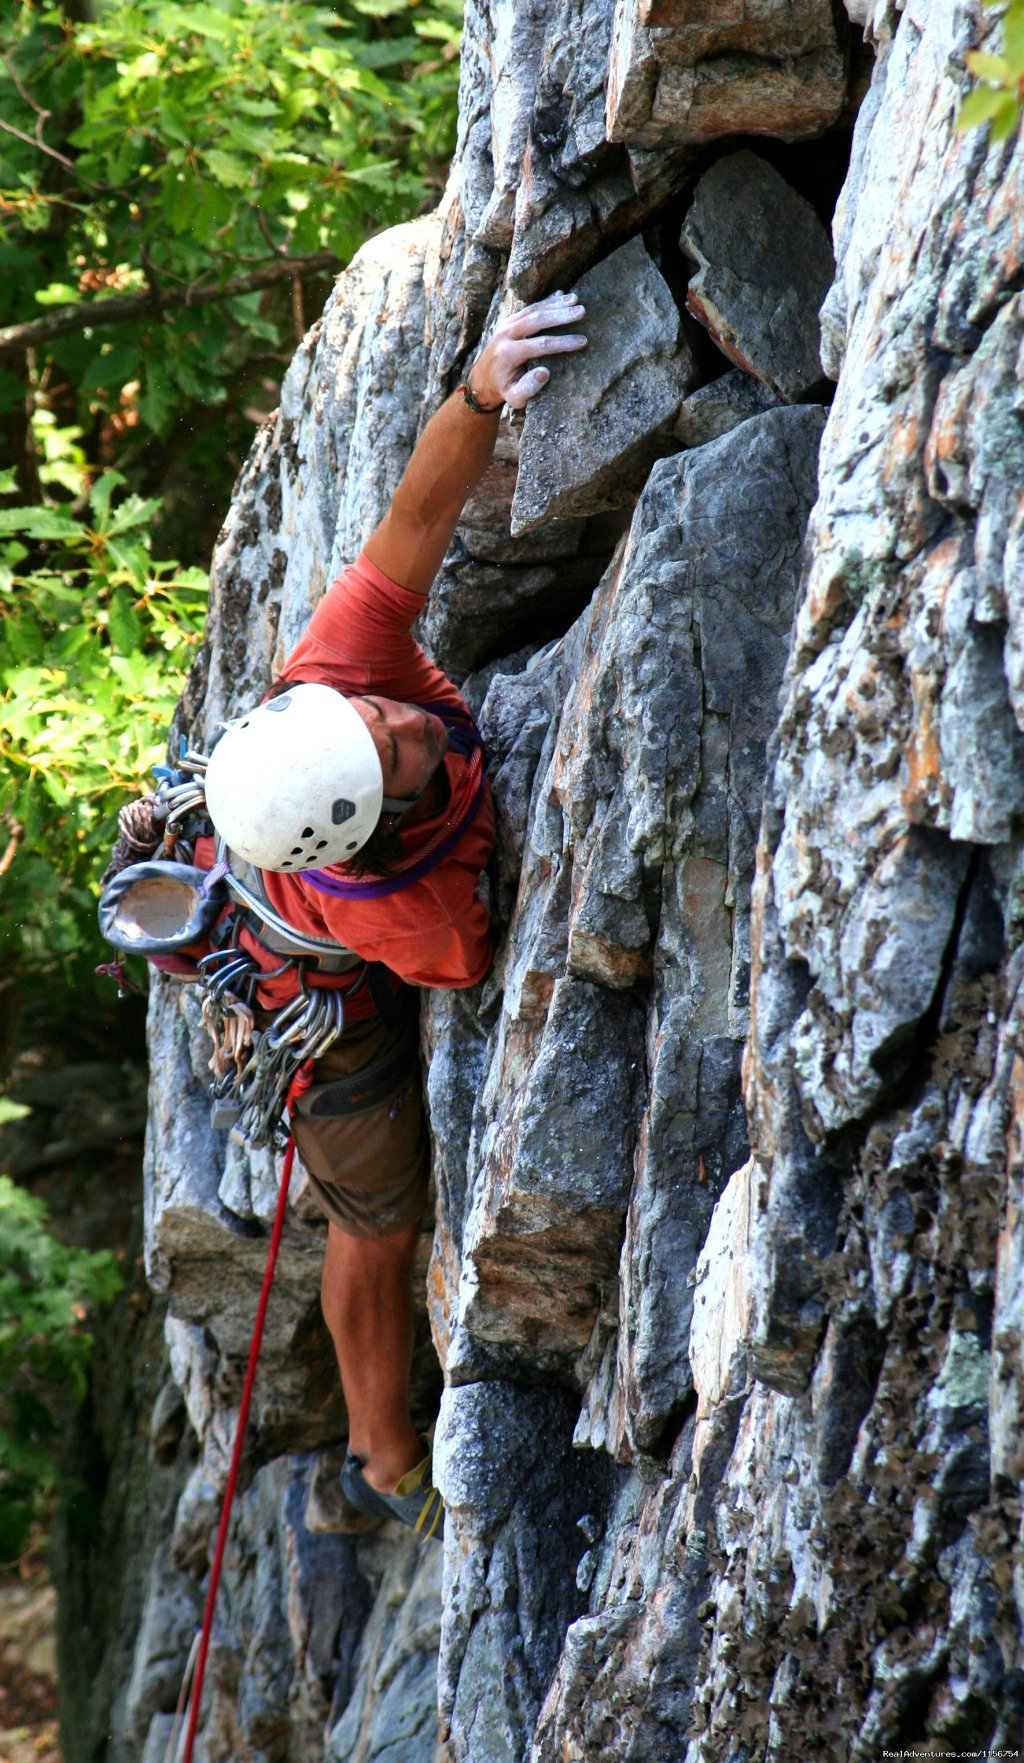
161,907
254,1069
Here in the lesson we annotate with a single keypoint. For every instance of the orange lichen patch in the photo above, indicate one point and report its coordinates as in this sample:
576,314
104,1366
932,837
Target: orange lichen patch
1005,217
442,1288
860,691
828,589
944,449
923,760
1015,1133
704,882
903,443
712,321
535,994
595,957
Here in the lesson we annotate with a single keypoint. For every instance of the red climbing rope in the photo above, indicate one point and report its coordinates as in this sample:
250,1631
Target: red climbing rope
300,1082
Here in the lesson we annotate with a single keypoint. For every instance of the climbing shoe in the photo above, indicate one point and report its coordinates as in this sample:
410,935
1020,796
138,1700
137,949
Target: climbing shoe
415,1501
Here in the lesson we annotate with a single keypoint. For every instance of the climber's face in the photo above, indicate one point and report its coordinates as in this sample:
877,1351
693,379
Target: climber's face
410,742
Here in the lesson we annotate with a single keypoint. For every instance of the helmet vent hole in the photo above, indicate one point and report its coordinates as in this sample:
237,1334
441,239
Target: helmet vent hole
307,832
321,844
296,850
353,845
286,863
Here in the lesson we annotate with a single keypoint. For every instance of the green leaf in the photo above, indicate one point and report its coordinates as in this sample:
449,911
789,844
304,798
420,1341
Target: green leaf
227,168
113,365
58,294
208,23
40,523
123,624
12,1110
134,512
176,123
255,141
1005,121
131,560
379,8
980,106
101,492
988,67
1013,38
156,402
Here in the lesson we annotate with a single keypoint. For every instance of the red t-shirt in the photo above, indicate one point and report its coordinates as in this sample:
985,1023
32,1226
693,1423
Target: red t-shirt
436,932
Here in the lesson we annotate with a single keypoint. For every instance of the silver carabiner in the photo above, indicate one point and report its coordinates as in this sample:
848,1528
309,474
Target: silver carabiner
303,1032
281,1032
229,975
229,951
333,1023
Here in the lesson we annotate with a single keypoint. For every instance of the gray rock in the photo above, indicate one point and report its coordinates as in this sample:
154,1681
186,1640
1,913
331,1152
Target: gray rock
587,445
169,1620
327,1512
167,1423
553,1181
680,76
161,1727
576,192
390,1712
712,410
764,268
515,1492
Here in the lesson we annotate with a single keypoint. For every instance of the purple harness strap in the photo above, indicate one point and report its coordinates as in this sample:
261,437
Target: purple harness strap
463,737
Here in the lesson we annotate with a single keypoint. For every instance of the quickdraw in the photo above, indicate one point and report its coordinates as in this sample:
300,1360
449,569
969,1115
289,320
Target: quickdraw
253,1069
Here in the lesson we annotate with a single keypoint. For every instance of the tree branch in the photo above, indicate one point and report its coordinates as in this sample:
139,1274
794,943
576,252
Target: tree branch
16,338
24,93
17,831
31,141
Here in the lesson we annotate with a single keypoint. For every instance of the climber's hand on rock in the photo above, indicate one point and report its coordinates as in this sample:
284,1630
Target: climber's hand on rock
497,376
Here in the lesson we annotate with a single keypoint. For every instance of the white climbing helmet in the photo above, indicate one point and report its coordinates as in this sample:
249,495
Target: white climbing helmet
296,783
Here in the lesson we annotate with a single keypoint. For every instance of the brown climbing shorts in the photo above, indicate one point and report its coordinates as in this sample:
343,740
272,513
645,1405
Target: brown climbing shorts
368,1172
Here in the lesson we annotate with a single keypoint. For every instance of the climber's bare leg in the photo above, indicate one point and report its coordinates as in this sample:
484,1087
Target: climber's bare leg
366,1292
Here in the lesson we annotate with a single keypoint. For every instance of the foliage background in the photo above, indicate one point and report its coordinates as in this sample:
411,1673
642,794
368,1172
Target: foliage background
46,1290
157,158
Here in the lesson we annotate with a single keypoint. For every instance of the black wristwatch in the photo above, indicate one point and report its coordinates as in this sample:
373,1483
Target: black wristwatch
474,403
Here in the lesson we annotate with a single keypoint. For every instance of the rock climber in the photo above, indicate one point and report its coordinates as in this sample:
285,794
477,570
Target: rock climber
354,800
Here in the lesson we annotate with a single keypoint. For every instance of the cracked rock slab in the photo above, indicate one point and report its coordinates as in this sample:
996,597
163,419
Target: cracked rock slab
712,410
764,267
681,74
589,442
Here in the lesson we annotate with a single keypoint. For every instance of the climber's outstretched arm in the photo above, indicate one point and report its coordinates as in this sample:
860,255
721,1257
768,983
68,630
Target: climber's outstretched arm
455,448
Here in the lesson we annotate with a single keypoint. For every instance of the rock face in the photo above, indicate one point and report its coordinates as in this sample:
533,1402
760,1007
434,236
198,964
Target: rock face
695,73
727,1280
764,267
625,390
